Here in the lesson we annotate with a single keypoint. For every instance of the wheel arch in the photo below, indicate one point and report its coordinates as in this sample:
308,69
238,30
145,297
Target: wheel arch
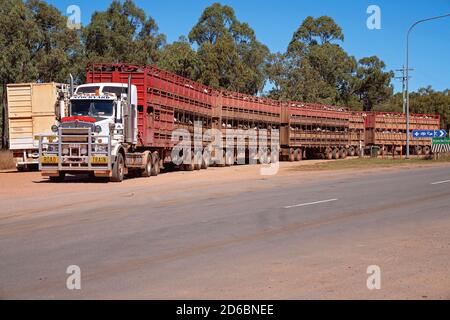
119,149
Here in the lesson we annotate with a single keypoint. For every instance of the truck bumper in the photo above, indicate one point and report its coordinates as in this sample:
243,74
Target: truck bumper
56,173
52,173
102,174
82,153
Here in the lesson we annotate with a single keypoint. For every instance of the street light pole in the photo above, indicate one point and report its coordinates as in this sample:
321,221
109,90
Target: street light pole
407,78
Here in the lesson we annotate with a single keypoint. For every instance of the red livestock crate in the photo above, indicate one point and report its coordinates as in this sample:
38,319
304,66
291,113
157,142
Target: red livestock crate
165,101
241,108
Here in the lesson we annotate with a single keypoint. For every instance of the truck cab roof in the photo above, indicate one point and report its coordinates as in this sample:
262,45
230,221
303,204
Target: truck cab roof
107,89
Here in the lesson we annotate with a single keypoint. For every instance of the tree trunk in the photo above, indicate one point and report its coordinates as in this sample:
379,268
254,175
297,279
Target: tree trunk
4,140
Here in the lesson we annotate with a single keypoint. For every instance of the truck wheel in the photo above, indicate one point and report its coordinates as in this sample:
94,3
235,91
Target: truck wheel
222,160
205,162
262,158
358,152
198,161
60,178
274,157
343,153
156,169
351,151
118,169
189,166
419,150
298,153
335,154
291,155
147,172
426,150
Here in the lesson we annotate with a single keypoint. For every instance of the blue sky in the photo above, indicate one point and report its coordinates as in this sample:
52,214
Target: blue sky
275,21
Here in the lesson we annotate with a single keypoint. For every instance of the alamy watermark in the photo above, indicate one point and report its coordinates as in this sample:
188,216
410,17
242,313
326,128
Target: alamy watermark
374,280
374,20
73,281
233,146
74,17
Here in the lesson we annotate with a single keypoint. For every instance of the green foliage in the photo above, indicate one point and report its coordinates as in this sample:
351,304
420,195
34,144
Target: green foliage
220,51
372,85
312,31
35,43
230,55
316,68
424,101
122,33
18,35
216,22
57,51
181,59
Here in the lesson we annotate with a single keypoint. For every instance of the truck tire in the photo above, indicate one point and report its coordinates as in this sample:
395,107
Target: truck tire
118,169
291,155
328,155
205,161
156,167
298,153
60,178
198,161
419,150
351,151
230,159
222,160
274,157
189,166
147,172
426,150
335,154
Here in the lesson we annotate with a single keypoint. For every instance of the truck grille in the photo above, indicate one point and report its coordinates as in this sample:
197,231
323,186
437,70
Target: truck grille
75,135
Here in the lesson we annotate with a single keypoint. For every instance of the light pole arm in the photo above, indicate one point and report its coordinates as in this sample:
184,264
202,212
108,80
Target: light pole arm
407,76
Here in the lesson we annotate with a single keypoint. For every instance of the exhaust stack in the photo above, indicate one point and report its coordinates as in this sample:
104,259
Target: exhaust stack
71,88
130,116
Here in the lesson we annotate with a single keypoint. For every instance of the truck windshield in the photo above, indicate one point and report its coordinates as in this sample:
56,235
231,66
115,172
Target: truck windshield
93,108
88,89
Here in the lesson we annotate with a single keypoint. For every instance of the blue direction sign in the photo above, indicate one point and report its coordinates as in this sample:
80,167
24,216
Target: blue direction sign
427,134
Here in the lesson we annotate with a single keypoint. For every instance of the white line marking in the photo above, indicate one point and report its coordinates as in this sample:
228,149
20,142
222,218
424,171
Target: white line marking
310,203
440,182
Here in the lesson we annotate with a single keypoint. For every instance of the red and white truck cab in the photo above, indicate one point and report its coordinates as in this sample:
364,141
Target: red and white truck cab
96,136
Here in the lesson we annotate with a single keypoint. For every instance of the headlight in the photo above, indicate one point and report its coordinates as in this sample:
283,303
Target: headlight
65,151
55,128
84,151
98,129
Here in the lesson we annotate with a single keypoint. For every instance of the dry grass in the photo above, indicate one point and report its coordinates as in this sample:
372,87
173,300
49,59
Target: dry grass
368,163
6,160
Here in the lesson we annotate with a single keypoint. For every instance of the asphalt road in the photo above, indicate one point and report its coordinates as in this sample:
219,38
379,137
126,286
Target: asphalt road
284,237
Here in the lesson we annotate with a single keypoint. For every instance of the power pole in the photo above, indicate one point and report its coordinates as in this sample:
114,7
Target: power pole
403,79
